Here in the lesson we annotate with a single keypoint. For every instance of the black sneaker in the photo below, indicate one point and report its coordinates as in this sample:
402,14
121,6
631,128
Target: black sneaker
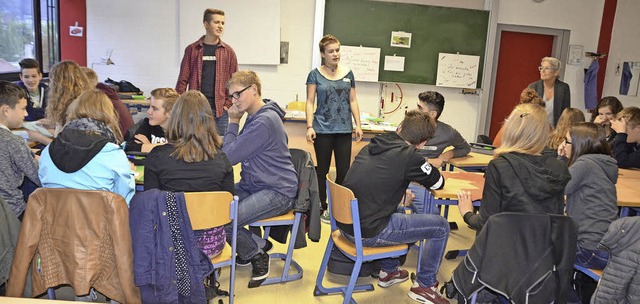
260,272
242,263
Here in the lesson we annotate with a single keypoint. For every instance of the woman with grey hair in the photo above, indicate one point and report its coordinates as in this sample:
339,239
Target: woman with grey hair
555,93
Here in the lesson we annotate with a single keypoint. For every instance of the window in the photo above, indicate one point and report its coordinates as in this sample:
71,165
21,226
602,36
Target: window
28,29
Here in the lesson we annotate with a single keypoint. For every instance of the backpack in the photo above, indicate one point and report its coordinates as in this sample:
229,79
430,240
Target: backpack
124,86
343,265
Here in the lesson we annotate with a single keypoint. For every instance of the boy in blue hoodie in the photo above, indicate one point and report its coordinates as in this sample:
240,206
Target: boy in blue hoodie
268,184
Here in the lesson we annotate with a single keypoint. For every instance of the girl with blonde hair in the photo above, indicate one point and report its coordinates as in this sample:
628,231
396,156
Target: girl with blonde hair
520,178
86,154
66,82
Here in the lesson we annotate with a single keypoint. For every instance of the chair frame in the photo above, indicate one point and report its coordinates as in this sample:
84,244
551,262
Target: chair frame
290,218
206,211
343,205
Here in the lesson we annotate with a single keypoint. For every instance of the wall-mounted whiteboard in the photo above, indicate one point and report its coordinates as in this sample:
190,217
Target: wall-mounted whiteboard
363,61
457,71
252,28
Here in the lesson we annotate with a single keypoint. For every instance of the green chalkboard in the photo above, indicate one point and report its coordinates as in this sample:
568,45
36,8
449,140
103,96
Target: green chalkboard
434,30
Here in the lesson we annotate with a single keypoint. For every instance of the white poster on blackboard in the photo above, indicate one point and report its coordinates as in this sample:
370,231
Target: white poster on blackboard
363,61
457,71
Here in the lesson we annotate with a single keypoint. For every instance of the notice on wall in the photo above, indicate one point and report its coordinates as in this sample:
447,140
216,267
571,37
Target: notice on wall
394,63
363,61
457,71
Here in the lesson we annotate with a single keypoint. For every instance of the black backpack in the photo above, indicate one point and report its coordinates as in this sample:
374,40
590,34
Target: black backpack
124,86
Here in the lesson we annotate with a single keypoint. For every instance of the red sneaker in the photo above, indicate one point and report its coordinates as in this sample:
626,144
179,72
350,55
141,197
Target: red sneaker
393,278
429,295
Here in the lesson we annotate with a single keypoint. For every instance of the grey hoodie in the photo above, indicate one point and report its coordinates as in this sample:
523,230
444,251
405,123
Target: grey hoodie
591,197
262,148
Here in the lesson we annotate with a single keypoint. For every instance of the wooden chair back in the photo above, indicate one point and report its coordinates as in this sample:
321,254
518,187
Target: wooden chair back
208,209
340,198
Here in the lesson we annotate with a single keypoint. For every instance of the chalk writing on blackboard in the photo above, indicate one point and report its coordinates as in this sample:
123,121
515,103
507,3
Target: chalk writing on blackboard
457,71
363,61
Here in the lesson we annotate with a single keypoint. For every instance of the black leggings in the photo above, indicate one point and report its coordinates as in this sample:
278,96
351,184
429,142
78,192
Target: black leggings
340,145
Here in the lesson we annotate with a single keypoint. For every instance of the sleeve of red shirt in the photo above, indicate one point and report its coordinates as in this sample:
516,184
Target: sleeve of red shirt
185,71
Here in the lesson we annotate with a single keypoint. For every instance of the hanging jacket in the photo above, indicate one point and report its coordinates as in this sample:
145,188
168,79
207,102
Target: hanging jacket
526,257
620,281
75,237
155,254
625,80
591,86
308,201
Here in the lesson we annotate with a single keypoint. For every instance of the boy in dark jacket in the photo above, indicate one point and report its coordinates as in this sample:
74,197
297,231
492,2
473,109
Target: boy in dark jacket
36,91
625,145
379,177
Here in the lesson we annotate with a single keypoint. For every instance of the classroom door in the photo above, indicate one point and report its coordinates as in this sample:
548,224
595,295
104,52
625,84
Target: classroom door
518,61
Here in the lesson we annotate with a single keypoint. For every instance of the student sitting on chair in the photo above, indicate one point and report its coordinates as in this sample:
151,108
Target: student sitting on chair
520,179
17,161
31,82
445,135
268,184
378,177
591,194
432,103
568,118
625,145
192,161
608,108
151,130
86,154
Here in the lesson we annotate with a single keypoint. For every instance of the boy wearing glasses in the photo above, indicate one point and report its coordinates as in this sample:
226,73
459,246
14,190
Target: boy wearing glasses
269,183
625,145
207,65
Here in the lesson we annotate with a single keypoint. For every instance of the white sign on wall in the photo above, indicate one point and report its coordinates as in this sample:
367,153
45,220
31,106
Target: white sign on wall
457,71
363,61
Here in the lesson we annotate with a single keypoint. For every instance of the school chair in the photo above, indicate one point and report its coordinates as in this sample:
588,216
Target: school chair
59,223
595,274
343,207
213,209
290,218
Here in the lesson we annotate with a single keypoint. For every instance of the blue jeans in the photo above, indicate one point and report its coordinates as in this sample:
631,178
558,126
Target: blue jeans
222,123
411,228
419,205
595,259
253,207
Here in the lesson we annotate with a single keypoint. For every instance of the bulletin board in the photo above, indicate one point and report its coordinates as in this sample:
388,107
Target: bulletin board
433,30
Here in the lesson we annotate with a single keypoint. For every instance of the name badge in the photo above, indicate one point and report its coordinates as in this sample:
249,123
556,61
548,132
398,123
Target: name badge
209,58
347,80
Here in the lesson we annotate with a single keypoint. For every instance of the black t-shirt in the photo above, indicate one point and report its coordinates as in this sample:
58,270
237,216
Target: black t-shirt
165,172
155,134
208,81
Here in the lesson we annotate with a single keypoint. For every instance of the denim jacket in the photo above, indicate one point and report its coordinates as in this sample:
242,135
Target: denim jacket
154,258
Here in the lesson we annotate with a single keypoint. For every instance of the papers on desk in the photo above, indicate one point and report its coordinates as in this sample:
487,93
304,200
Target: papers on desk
295,114
378,128
35,126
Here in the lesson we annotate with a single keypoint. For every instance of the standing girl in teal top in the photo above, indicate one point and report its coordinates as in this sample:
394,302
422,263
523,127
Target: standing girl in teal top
329,128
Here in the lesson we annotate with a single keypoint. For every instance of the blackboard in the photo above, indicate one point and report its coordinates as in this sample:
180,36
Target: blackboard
434,30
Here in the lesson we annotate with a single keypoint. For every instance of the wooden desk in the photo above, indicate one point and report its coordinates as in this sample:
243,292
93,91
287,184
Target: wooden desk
136,102
472,162
628,190
448,195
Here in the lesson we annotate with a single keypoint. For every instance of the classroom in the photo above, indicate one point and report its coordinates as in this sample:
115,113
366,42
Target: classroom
143,42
